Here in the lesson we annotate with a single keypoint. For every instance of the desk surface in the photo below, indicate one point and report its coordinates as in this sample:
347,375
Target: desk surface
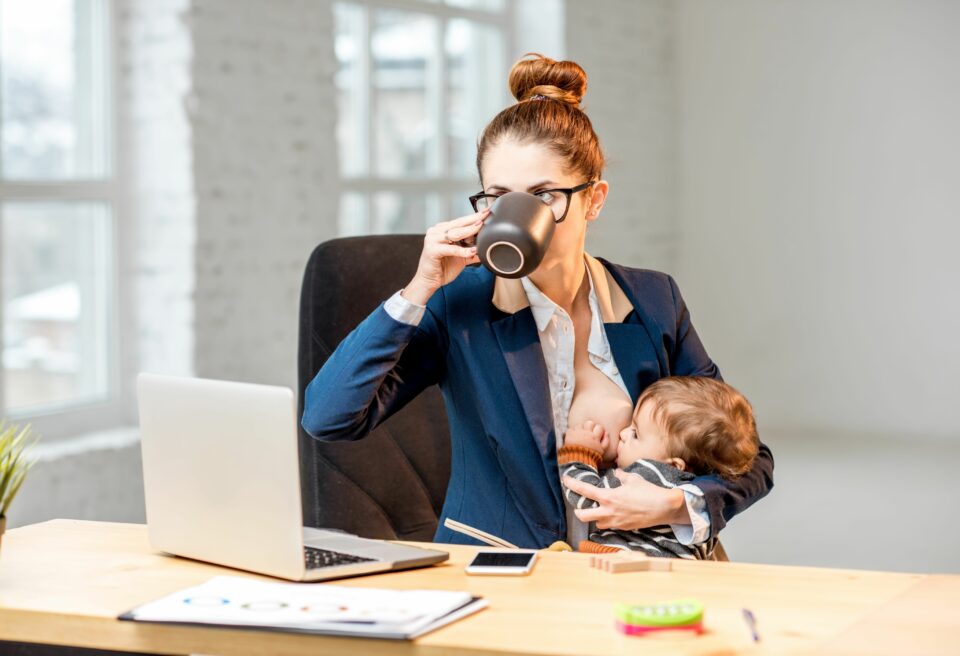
64,582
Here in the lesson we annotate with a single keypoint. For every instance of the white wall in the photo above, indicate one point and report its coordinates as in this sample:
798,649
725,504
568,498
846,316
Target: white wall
796,165
627,51
229,159
819,208
155,50
262,116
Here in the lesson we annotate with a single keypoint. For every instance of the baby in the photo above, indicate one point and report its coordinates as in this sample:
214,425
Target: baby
682,427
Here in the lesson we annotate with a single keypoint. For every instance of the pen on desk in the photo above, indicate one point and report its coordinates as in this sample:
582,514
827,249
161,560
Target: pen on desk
751,624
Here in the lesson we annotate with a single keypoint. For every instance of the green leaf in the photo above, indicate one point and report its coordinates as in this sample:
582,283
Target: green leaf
15,441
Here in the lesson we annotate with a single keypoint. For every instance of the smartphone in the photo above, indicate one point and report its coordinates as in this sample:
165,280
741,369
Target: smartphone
510,563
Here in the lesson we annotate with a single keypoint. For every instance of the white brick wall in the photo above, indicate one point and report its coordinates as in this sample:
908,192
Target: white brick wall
262,117
232,167
228,157
154,50
627,51
235,169
97,476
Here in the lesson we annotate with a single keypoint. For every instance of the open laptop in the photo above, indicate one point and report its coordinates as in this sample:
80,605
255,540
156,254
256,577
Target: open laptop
221,479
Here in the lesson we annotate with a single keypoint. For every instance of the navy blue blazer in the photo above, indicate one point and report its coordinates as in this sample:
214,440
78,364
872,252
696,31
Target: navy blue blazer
478,341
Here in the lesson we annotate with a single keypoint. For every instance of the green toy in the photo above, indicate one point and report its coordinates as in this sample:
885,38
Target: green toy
684,614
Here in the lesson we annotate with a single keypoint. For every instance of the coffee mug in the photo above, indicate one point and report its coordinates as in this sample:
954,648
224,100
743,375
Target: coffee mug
516,234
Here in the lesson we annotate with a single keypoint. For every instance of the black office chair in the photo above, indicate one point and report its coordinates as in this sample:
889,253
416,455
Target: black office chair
391,484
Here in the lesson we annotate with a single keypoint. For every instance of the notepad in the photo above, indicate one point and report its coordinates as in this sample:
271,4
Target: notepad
235,602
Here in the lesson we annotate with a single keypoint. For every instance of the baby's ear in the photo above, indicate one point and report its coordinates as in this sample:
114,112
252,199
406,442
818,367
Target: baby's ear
678,463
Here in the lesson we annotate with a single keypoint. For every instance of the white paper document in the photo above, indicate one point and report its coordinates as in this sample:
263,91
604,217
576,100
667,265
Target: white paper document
309,608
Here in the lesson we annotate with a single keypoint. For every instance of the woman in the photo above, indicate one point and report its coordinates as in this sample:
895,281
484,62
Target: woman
517,361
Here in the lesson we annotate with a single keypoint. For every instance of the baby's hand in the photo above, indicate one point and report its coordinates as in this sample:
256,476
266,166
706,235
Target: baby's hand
589,434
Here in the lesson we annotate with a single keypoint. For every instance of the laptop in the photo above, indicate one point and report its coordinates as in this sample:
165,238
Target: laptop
221,479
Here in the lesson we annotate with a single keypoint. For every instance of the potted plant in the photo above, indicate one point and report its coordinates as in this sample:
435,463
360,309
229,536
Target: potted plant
14,442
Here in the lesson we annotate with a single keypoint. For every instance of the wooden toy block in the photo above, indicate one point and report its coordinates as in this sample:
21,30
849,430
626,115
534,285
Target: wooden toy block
660,564
626,565
629,562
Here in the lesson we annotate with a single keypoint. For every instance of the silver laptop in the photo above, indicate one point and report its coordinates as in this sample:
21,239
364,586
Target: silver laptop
221,479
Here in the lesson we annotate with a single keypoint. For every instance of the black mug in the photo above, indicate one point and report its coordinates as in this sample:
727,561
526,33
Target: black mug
516,234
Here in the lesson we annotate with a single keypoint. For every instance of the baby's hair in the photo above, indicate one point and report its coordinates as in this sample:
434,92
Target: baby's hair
708,424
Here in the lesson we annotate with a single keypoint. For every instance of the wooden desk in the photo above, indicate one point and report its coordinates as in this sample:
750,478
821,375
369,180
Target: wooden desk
63,582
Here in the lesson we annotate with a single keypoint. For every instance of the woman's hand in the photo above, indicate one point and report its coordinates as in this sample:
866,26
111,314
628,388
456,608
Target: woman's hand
636,504
443,256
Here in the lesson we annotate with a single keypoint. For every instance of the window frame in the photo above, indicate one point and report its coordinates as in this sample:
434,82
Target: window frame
443,185
57,422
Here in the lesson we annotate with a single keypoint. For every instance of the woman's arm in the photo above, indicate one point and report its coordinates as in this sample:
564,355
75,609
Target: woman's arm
385,362
376,370
635,504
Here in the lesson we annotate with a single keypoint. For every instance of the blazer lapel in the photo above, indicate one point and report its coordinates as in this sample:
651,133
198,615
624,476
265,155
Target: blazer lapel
634,356
520,344
634,327
628,337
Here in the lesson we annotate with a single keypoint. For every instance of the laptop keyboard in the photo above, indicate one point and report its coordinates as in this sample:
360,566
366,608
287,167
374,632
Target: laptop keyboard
320,558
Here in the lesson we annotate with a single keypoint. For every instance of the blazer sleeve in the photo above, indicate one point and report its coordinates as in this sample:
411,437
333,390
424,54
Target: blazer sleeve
375,371
724,498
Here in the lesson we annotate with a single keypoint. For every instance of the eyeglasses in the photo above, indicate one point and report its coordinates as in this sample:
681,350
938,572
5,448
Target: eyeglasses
557,199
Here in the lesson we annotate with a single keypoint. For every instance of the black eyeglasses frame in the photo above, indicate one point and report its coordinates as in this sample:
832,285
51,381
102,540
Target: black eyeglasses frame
568,192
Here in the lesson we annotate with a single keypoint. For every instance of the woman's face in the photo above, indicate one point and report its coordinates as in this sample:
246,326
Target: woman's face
514,166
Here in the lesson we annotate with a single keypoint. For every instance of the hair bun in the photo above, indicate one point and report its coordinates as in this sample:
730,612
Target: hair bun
558,80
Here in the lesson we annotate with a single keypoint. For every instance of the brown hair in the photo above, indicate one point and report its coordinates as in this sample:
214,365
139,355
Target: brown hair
708,424
548,111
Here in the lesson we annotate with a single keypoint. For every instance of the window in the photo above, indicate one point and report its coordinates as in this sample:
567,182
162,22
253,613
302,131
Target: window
417,81
58,216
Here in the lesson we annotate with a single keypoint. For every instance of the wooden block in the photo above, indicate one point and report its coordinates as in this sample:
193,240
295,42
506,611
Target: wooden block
629,562
660,564
628,565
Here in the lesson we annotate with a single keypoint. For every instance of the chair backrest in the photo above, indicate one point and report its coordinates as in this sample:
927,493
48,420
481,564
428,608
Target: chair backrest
390,484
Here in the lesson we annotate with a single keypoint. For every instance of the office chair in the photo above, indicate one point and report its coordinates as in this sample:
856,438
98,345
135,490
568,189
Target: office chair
390,484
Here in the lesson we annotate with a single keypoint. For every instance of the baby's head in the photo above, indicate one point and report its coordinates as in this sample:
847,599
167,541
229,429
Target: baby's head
698,424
